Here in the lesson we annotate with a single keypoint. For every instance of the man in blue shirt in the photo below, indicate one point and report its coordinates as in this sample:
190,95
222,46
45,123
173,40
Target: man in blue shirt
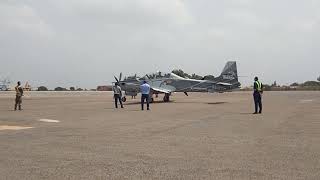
145,91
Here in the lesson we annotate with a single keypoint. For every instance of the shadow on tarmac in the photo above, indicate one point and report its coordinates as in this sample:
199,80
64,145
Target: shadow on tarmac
214,103
154,102
162,102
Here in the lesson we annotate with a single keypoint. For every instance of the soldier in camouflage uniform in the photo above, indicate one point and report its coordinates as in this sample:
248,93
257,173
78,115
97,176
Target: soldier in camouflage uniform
19,94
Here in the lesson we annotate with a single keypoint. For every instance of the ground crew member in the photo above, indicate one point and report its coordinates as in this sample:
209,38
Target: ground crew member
257,93
19,94
117,94
145,91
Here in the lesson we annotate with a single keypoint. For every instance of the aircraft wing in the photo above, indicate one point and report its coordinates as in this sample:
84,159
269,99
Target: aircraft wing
224,84
161,90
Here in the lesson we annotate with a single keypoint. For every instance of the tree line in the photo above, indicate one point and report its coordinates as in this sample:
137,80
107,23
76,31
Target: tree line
308,85
44,88
183,74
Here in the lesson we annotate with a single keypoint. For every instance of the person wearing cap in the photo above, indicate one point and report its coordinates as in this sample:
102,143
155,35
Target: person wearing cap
257,93
145,91
19,94
117,94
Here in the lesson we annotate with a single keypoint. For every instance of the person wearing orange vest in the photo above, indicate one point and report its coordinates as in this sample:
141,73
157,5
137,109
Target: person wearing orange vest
19,94
257,93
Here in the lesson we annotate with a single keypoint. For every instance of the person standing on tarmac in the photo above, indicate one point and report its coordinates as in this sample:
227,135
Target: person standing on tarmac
257,95
117,94
19,94
145,91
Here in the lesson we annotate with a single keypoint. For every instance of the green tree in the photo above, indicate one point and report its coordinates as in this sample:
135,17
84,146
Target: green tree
274,84
72,89
294,84
181,73
267,87
311,83
208,77
195,76
60,89
42,88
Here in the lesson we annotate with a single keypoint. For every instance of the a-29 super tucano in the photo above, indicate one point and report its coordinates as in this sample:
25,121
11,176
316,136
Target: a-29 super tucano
168,83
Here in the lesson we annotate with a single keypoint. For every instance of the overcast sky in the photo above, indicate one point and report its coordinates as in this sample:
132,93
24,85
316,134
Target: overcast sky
85,42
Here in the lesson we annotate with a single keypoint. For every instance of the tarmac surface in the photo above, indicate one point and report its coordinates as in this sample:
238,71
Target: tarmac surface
79,135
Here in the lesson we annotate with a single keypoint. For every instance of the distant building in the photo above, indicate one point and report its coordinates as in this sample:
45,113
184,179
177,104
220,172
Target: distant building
104,88
3,87
4,84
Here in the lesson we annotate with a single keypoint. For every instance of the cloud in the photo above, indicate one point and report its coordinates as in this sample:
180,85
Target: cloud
86,42
134,13
22,19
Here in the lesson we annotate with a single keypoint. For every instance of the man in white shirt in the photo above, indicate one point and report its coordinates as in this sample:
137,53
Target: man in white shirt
145,91
117,94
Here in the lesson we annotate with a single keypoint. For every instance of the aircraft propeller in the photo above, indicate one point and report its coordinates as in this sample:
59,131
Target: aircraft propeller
120,76
118,79
148,76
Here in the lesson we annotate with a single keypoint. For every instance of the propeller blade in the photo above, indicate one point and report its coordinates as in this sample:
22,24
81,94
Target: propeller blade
116,78
120,76
186,93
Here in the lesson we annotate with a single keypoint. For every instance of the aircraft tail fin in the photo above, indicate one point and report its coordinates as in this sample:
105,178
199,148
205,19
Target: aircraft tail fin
229,73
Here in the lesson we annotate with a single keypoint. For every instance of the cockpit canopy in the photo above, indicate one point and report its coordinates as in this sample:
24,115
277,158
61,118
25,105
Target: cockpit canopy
156,75
161,75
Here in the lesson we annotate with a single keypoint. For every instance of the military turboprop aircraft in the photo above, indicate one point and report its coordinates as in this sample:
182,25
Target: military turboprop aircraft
168,83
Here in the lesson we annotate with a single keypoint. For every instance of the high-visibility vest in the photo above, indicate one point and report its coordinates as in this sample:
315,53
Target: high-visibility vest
259,86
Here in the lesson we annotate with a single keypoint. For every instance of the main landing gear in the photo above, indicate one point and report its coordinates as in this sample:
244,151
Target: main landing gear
166,97
151,100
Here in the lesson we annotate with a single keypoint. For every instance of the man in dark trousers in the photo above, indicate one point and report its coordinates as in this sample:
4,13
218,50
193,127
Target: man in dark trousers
19,94
117,94
257,93
145,91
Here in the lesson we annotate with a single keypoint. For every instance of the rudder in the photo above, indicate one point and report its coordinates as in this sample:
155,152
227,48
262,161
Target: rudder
230,72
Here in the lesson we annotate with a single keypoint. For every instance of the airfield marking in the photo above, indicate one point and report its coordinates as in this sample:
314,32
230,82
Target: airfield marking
5,127
49,120
306,100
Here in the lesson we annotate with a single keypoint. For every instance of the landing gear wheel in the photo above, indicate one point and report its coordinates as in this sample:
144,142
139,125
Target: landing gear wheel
124,99
166,98
151,100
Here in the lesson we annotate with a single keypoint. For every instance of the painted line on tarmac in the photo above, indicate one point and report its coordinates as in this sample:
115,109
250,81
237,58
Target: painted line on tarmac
5,127
49,120
306,100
